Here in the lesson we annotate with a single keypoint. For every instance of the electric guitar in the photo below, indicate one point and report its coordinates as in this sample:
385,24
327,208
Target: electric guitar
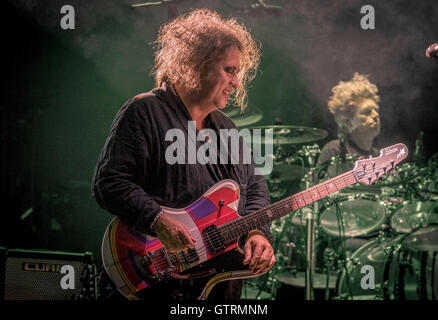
135,261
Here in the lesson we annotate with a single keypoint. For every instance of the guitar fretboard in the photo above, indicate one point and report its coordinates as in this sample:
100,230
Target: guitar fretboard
234,229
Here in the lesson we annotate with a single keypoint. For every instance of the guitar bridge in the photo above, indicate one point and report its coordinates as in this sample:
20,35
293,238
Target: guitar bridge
214,239
158,266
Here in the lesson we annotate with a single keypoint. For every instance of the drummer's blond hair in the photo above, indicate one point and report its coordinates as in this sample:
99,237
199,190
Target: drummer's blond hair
186,45
346,94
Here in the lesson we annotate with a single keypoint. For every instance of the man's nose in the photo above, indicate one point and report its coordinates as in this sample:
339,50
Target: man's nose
235,81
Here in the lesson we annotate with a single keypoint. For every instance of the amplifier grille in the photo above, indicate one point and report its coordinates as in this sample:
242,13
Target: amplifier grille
40,279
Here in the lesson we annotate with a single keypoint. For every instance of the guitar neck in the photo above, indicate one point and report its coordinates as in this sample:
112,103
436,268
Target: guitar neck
234,229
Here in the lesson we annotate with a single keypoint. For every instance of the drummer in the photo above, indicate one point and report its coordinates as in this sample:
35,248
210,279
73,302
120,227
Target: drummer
356,111
355,107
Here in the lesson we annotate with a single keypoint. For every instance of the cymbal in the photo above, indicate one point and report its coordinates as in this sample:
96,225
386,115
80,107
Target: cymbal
250,115
289,134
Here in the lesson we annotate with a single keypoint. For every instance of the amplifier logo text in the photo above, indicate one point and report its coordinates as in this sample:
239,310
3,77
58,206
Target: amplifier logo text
67,281
42,267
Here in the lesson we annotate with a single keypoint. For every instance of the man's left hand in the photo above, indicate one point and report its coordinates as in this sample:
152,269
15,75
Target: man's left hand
258,253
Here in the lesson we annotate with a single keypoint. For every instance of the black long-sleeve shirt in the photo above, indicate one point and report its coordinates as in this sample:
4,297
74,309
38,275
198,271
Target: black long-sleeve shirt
132,178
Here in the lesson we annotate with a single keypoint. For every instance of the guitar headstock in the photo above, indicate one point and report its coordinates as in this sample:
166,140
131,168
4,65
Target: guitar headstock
369,170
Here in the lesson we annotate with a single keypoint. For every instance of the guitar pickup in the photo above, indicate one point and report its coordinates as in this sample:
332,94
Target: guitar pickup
190,256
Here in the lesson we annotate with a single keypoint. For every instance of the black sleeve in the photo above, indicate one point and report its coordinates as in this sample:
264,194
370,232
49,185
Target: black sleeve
121,172
329,150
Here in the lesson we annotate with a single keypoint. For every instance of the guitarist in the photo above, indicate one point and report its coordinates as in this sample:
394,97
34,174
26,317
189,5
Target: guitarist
202,61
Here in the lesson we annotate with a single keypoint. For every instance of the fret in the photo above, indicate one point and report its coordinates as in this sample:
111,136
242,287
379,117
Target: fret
296,203
231,235
351,175
233,229
325,185
275,215
253,226
320,197
316,194
331,187
345,182
354,177
226,235
287,208
302,197
299,201
268,217
310,194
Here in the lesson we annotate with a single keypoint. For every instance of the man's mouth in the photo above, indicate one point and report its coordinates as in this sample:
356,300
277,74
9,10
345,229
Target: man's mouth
371,124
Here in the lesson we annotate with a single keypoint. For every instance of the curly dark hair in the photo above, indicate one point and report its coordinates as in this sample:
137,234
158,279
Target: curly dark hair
187,44
346,93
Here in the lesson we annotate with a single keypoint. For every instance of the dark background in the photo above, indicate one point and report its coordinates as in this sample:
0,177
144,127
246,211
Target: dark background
62,88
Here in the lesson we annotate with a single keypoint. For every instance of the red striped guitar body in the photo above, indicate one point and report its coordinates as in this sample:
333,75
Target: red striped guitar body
135,261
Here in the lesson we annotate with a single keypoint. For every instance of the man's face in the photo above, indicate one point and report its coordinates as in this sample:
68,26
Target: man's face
221,79
366,118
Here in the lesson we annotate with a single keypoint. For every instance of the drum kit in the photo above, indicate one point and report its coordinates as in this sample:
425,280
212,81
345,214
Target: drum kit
376,242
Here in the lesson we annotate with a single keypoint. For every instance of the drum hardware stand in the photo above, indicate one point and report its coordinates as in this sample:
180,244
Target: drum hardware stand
393,249
311,154
310,237
329,258
291,246
310,249
342,241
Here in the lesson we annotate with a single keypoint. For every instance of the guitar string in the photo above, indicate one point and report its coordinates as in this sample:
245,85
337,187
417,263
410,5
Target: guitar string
306,195
279,206
348,177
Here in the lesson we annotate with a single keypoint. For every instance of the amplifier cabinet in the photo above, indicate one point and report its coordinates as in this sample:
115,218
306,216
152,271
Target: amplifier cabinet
48,275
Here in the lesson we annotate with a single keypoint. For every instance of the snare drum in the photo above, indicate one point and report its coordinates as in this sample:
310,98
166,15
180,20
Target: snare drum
400,268
361,215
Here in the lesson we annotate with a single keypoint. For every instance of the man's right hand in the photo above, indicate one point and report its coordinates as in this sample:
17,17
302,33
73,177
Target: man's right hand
173,234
